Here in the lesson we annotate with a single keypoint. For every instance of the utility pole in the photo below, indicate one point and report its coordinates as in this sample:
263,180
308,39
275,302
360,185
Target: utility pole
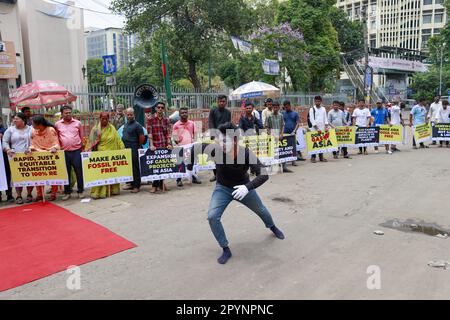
368,71
4,92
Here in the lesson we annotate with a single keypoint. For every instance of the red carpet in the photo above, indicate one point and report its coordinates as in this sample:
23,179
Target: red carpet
38,240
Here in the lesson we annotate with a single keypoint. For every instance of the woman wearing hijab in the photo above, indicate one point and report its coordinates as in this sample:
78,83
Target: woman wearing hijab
104,137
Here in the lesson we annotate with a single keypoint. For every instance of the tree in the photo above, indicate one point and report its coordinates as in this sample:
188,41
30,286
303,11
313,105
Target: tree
350,33
95,72
426,84
190,27
312,18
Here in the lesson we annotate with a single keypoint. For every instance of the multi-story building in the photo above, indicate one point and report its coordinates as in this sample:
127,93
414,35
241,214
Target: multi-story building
52,37
396,30
407,24
109,41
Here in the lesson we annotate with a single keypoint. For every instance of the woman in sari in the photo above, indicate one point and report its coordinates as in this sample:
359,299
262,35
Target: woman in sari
104,137
44,138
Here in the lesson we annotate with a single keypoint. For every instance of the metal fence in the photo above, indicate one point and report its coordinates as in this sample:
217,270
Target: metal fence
98,98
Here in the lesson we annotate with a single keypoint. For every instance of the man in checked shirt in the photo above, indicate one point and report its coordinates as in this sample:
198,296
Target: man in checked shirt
159,134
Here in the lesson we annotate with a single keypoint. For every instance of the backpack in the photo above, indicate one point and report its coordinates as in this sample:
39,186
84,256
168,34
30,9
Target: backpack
308,118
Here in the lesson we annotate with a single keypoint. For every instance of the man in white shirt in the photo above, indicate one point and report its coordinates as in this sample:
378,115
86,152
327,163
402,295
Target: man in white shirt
443,116
395,119
319,121
361,118
267,111
432,112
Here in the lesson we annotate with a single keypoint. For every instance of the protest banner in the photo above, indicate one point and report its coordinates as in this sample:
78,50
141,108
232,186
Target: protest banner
262,146
440,131
367,136
301,143
286,150
38,169
101,168
162,164
422,133
201,162
391,134
323,142
346,136
3,182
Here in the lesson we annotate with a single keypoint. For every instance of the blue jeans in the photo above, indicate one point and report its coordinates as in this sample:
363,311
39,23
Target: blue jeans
220,199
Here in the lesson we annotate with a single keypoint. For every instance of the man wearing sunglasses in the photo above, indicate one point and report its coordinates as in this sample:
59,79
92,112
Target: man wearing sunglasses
159,134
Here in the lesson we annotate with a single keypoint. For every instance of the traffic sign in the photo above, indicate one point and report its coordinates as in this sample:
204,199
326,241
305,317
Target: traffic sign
109,64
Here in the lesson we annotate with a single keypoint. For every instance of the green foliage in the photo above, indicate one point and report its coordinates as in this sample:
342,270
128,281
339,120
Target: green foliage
426,84
95,72
194,26
350,33
312,18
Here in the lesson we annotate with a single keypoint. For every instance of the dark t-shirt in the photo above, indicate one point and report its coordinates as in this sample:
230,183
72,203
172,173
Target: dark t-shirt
131,133
218,116
233,172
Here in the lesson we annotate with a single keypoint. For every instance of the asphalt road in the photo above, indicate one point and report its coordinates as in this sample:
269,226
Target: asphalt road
328,212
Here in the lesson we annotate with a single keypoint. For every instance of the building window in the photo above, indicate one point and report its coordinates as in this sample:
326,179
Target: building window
438,18
427,19
427,2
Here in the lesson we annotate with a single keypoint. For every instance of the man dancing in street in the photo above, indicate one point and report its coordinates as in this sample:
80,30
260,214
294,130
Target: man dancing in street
233,183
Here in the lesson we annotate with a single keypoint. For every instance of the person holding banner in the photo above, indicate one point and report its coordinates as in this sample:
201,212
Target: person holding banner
417,117
275,127
380,117
184,133
133,138
268,106
443,116
291,125
17,139
395,119
318,122
160,136
44,138
104,137
336,118
70,132
362,118
433,110
233,183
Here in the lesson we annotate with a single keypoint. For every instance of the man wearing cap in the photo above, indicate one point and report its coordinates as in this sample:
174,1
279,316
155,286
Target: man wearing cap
380,117
319,122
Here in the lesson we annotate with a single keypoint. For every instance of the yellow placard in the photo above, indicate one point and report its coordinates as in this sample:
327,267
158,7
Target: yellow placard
322,142
345,136
262,146
391,134
422,133
38,169
102,168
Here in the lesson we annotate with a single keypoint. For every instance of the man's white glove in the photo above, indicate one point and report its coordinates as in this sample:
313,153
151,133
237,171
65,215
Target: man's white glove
240,192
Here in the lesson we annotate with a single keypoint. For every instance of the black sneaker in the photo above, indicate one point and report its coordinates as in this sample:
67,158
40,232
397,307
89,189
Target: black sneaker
179,183
212,179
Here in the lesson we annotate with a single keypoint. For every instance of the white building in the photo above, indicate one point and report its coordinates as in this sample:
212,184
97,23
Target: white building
109,41
11,30
405,24
52,37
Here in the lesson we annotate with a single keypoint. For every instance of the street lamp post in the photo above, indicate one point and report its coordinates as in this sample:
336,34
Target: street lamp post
440,69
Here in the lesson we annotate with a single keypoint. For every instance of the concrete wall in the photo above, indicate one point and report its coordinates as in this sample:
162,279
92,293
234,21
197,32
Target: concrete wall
54,46
11,31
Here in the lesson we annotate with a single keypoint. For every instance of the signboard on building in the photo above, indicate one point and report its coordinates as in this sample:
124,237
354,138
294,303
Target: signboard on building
8,63
111,81
397,64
